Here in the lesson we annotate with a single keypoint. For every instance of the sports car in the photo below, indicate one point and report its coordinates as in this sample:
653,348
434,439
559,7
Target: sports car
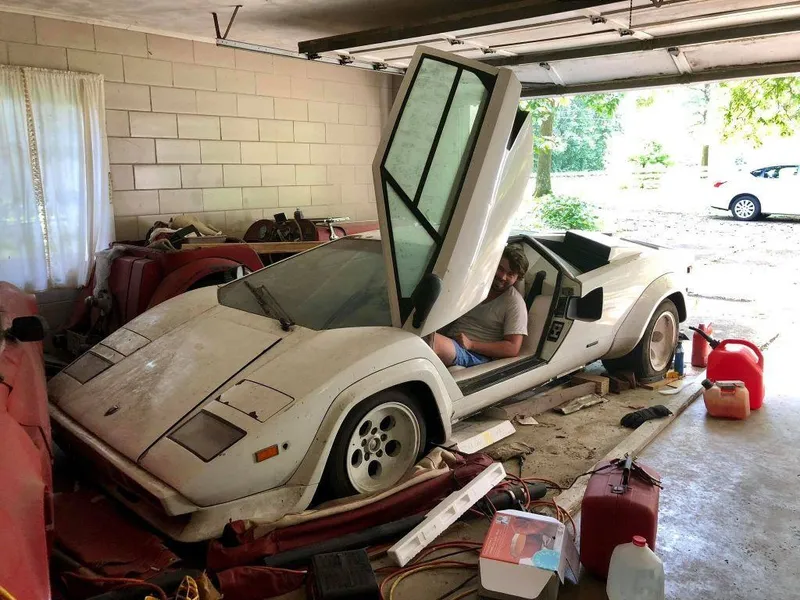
315,375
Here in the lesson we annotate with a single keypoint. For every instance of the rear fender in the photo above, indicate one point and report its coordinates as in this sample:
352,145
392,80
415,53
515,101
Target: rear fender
632,328
181,279
416,370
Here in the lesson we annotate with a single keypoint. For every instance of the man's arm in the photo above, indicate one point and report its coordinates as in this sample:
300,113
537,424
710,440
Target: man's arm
508,348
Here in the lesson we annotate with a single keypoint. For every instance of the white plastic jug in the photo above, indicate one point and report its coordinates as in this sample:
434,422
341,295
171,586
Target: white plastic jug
635,573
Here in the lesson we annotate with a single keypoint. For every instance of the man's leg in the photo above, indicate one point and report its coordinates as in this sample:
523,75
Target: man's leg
444,348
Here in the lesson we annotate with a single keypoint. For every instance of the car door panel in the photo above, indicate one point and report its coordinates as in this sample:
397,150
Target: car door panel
447,184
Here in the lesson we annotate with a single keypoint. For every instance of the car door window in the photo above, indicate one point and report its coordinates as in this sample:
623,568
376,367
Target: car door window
425,162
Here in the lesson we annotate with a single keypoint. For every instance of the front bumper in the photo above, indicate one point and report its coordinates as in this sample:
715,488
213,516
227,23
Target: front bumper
161,505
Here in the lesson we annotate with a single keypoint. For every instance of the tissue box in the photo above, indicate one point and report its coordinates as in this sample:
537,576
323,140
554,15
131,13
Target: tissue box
525,556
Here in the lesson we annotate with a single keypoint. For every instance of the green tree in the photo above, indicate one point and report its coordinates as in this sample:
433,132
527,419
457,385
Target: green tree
583,127
652,154
548,140
757,107
700,105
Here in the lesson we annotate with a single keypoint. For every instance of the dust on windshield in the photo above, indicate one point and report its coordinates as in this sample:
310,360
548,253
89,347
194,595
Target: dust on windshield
341,284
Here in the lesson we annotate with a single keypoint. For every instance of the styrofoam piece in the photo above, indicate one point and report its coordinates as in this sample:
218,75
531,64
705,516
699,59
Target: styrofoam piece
445,514
475,434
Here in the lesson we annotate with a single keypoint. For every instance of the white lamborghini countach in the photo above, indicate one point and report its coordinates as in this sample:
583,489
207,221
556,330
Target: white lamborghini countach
242,401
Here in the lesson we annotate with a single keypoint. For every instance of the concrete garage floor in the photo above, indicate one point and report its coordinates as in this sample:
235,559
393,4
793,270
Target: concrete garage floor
729,520
730,517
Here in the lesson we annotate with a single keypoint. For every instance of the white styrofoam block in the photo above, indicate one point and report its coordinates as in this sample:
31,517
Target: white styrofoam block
445,514
475,434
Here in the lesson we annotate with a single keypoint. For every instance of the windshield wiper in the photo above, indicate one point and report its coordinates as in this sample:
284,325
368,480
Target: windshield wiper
270,306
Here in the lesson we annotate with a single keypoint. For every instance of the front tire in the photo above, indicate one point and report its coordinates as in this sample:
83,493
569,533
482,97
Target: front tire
746,208
652,356
378,442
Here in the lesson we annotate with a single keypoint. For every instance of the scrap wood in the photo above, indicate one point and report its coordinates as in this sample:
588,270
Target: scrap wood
617,385
628,376
601,382
580,403
671,378
543,402
525,420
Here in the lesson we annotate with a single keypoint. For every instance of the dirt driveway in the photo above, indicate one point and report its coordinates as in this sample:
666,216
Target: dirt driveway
745,274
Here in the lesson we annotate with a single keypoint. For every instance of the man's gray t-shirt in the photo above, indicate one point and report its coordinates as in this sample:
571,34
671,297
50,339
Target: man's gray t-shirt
492,321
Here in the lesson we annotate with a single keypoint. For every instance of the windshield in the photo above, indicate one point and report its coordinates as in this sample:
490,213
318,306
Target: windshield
341,284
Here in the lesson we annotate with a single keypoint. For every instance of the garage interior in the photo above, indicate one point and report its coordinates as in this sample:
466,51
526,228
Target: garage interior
216,118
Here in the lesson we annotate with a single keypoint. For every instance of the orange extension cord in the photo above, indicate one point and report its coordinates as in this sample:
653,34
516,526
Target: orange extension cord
420,563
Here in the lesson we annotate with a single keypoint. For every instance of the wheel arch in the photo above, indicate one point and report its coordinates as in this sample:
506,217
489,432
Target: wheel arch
634,324
417,376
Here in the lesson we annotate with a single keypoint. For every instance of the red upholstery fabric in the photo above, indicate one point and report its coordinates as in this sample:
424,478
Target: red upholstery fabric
94,531
25,472
410,501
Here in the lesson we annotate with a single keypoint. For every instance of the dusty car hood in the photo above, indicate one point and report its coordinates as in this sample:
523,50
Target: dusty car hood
136,401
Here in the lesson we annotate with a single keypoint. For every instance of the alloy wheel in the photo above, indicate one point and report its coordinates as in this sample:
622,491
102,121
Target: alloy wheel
744,208
663,340
384,445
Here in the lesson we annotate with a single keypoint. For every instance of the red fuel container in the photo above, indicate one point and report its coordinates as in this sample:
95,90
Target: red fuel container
700,346
613,512
739,360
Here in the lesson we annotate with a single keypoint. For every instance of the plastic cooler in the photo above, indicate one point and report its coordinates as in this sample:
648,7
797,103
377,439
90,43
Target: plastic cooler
619,503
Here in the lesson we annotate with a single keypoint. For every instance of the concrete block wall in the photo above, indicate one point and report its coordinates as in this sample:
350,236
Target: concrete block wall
229,135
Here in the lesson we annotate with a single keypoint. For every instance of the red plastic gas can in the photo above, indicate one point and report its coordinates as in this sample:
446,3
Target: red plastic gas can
700,346
739,360
612,513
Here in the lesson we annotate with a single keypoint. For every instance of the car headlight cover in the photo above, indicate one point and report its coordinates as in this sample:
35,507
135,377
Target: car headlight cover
87,366
206,435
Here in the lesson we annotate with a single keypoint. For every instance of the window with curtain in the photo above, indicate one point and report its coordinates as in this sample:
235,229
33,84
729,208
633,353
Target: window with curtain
55,210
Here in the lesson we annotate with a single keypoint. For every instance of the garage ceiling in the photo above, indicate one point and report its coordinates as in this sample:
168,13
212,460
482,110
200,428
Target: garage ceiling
555,46
591,46
278,23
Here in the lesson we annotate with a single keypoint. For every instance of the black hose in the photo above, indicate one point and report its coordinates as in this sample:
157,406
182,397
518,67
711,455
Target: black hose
711,341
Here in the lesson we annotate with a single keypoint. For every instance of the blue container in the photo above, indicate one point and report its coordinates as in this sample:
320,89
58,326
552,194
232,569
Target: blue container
677,362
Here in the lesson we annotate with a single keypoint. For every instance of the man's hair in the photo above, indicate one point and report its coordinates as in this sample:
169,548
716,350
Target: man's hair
516,258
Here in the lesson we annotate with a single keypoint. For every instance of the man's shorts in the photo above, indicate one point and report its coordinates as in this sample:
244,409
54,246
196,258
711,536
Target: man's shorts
466,358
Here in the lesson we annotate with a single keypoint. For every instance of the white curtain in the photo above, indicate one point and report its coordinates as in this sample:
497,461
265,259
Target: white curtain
55,210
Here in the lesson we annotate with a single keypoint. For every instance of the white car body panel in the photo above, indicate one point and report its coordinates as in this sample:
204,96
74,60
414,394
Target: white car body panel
779,195
276,383
491,193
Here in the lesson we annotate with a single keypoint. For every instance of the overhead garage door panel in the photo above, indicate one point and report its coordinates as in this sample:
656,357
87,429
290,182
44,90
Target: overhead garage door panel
604,37
590,70
764,50
532,74
607,46
688,16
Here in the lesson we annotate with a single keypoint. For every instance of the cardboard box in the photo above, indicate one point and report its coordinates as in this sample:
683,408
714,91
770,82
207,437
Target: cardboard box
523,553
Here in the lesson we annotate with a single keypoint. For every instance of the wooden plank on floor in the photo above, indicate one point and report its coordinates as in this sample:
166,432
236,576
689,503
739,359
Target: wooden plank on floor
601,382
543,402
570,500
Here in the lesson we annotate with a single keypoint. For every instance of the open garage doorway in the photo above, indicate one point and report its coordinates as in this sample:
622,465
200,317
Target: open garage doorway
710,168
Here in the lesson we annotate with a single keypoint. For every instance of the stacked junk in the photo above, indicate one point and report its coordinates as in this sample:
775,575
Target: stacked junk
363,548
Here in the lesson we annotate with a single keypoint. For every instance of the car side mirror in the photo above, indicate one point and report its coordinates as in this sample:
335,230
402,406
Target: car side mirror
27,329
587,308
424,297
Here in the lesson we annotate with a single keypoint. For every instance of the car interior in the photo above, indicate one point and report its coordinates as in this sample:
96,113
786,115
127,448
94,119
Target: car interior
538,288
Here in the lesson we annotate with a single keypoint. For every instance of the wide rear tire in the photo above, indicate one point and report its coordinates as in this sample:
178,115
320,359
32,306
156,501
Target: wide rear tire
652,356
378,442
